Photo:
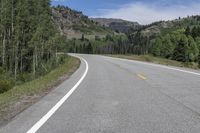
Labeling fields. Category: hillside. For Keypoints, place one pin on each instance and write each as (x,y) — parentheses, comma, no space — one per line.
(163,27)
(118,25)
(162,38)
(74,24)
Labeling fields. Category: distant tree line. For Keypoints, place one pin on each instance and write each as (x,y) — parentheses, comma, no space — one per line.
(107,45)
(176,42)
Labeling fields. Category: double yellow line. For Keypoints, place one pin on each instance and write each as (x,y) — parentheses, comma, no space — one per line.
(141,76)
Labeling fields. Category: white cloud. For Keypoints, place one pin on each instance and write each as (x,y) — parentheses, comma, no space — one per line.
(147,13)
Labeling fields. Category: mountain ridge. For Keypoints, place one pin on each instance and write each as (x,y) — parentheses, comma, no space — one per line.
(73,24)
(118,25)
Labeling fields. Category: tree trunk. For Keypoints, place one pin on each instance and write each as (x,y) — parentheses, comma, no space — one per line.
(12,20)
(34,62)
(4,49)
(11,39)
(21,61)
(42,51)
(16,60)
(36,58)
(56,56)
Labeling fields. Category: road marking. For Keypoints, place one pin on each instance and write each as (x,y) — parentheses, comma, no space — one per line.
(157,65)
(45,118)
(141,76)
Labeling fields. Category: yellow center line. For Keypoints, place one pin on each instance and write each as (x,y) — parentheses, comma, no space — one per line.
(141,76)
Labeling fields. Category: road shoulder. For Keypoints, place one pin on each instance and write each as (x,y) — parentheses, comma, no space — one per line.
(17,101)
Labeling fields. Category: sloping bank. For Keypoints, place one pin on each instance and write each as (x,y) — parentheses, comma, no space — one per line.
(23,96)
(157,60)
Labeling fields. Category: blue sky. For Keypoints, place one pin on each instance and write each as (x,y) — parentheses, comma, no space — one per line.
(142,11)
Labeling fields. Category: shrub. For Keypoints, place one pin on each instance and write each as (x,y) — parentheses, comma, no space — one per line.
(5,85)
(1,70)
(24,77)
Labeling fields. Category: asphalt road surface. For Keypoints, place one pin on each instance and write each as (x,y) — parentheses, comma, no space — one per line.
(109,95)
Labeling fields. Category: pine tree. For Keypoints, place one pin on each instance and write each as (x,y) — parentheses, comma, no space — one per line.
(198,45)
(193,51)
(167,47)
(89,48)
(187,31)
(82,37)
(181,50)
(156,48)
(194,32)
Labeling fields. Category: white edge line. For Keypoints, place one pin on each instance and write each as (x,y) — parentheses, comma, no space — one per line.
(45,118)
(157,65)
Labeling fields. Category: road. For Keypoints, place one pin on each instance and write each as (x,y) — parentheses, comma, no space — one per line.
(117,96)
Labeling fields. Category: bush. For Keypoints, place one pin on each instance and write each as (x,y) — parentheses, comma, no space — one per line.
(24,77)
(5,85)
(1,70)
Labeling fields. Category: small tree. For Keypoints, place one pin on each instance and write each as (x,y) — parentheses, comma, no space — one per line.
(89,48)
(97,38)
(109,37)
(83,37)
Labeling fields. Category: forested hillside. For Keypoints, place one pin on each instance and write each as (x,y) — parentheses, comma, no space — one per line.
(84,35)
(28,41)
(177,39)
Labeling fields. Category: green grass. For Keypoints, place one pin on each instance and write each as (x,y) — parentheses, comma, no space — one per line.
(157,60)
(37,87)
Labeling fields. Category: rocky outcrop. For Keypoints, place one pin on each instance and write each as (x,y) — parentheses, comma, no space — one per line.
(118,25)
(73,24)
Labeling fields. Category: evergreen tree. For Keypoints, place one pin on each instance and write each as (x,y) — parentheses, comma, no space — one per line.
(194,32)
(89,48)
(193,51)
(156,48)
(167,47)
(187,31)
(82,37)
(181,50)
(198,31)
(198,45)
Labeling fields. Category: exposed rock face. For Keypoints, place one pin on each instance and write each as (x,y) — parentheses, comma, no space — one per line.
(73,24)
(118,24)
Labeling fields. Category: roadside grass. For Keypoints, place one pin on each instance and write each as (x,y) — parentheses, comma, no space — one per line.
(157,60)
(30,92)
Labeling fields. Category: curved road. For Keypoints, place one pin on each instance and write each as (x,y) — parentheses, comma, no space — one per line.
(117,96)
